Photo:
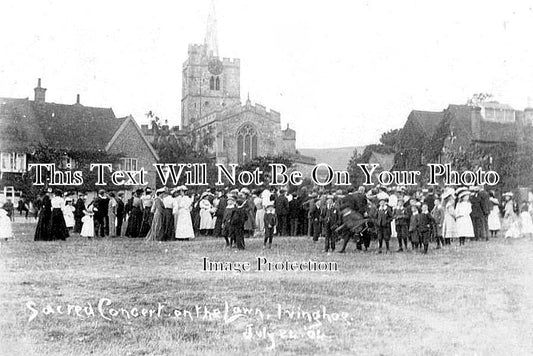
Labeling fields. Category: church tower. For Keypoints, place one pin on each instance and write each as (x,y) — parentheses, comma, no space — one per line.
(209,84)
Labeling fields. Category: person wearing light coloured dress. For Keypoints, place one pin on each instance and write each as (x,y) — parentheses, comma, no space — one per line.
(182,215)
(465,228)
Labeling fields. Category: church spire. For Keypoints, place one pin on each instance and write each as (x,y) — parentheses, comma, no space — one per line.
(211,38)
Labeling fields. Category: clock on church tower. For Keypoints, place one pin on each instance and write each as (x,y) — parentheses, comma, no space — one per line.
(215,66)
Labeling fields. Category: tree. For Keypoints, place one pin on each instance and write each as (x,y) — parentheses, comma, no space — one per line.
(263,163)
(175,148)
(391,138)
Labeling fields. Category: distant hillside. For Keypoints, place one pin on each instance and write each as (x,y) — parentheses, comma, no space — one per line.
(337,158)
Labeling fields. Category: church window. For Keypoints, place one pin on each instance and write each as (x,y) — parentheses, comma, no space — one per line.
(212,83)
(217,83)
(246,144)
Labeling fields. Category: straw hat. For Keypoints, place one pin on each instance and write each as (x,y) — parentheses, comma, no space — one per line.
(463,193)
(447,192)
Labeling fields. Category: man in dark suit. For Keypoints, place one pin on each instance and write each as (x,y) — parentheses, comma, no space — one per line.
(281,204)
(219,213)
(101,218)
(477,214)
(486,206)
(79,209)
(329,219)
(295,206)
(383,223)
(120,213)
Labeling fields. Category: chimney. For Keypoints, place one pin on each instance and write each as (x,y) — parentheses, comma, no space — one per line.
(78,99)
(40,93)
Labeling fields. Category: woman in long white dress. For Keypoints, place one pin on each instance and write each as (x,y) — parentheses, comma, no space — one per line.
(494,217)
(206,219)
(511,222)
(68,213)
(87,228)
(449,228)
(462,215)
(182,217)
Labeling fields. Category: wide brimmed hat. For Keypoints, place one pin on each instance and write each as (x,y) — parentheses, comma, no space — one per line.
(245,191)
(474,188)
(447,193)
(383,196)
(508,194)
(181,187)
(494,200)
(161,190)
(463,193)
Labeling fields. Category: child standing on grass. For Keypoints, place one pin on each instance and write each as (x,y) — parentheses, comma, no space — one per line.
(270,223)
(227,231)
(6,231)
(87,229)
(438,216)
(401,219)
(68,213)
(425,226)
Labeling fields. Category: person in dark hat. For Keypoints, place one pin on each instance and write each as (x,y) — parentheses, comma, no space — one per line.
(120,213)
(147,201)
(219,213)
(227,227)
(42,231)
(383,223)
(101,217)
(238,220)
(329,217)
(295,205)
(79,209)
(58,228)
(270,221)
(135,216)
(282,211)
(425,226)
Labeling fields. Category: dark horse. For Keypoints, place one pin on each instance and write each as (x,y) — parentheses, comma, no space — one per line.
(355,226)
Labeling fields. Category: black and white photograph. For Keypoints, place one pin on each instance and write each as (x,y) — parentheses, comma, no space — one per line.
(246,177)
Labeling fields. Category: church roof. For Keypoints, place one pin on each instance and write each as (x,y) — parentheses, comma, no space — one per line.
(71,127)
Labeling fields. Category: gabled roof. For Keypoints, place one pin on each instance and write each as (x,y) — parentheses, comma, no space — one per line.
(18,127)
(427,120)
(125,121)
(76,127)
(71,127)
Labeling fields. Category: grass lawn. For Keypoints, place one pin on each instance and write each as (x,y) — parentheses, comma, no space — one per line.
(472,300)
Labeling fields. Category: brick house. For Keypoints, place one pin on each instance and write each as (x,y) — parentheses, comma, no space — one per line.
(71,127)
(435,136)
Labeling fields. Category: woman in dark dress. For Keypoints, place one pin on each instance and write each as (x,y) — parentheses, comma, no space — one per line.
(155,232)
(136,215)
(58,228)
(42,232)
(148,215)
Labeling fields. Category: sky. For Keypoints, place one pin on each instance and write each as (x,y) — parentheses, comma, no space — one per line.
(340,72)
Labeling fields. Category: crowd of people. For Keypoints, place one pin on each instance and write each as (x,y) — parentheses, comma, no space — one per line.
(415,218)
